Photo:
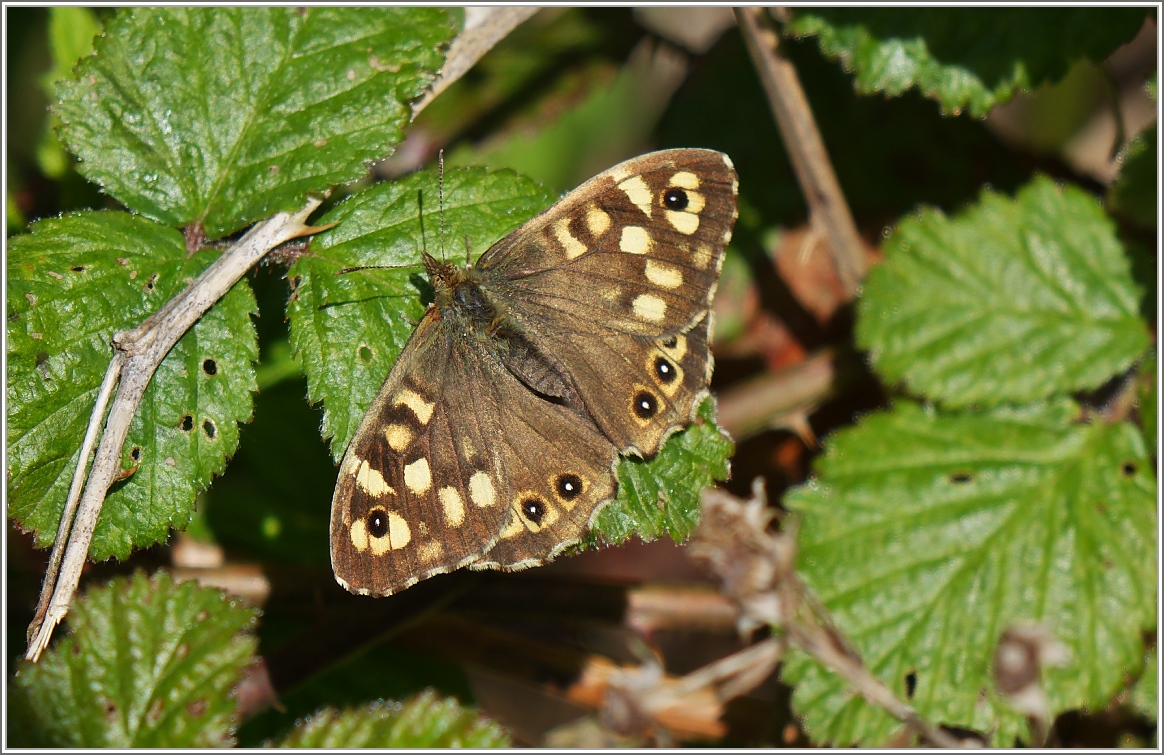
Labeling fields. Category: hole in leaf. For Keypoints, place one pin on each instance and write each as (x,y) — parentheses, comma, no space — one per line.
(1128,468)
(149,284)
(187,424)
(78,268)
(208,427)
(960,478)
(135,454)
(365,354)
(910,684)
(210,367)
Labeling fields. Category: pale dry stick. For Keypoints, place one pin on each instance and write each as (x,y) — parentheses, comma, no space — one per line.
(805,147)
(142,350)
(731,676)
(98,415)
(484,28)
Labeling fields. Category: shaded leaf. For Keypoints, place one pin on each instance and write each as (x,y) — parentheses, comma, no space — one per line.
(965,58)
(1010,301)
(146,663)
(1146,692)
(1150,399)
(927,535)
(73,282)
(423,721)
(225,116)
(1135,193)
(71,32)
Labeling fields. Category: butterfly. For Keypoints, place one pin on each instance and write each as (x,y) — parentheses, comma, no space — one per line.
(580,336)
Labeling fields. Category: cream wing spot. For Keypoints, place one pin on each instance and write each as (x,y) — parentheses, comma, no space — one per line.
(399,535)
(453,505)
(684,180)
(359,535)
(684,222)
(695,202)
(597,221)
(481,491)
(663,275)
(650,307)
(372,482)
(638,193)
(430,551)
(701,258)
(513,527)
(635,240)
(572,246)
(398,437)
(414,401)
(417,476)
(676,350)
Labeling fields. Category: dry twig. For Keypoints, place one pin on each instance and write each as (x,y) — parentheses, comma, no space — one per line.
(756,569)
(802,138)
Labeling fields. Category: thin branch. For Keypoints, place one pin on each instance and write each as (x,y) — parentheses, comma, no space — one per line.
(484,28)
(802,138)
(139,352)
(112,375)
(756,569)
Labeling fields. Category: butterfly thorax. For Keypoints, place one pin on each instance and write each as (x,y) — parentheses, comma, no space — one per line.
(464,306)
(460,302)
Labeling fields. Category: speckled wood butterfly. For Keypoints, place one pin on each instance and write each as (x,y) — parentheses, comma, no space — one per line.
(581,335)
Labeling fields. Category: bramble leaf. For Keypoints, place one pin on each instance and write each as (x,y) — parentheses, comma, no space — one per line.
(73,282)
(225,116)
(927,535)
(146,663)
(1010,301)
(423,721)
(965,58)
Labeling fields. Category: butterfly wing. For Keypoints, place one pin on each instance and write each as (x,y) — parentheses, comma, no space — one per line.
(443,463)
(615,284)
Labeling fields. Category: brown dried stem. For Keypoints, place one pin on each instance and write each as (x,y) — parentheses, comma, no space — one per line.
(805,147)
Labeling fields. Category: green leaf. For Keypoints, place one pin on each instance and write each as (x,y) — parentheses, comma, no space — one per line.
(1150,399)
(1134,194)
(347,330)
(965,58)
(225,116)
(1010,301)
(1146,692)
(661,495)
(147,663)
(71,32)
(926,535)
(423,721)
(73,282)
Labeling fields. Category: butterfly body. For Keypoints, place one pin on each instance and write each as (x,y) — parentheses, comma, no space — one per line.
(579,336)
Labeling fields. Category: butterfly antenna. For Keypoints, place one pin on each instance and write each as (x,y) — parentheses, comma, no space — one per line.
(441,196)
(468,254)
